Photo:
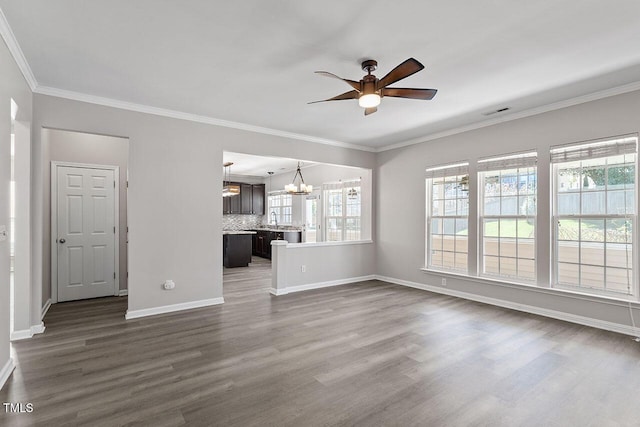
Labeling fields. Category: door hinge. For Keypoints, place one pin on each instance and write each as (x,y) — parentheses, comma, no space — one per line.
(114,230)
(114,184)
(114,274)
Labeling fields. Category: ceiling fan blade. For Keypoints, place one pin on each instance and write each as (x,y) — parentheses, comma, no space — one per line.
(407,68)
(352,94)
(352,83)
(398,92)
(371,110)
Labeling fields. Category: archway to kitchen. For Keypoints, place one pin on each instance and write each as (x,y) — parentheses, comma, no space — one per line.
(257,210)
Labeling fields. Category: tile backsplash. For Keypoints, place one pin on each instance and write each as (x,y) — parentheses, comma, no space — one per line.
(241,222)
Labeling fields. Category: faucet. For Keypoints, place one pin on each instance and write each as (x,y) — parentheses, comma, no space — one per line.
(274,217)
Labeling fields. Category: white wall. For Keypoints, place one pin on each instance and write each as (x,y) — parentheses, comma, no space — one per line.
(12,85)
(79,147)
(22,287)
(400,200)
(174,212)
(325,264)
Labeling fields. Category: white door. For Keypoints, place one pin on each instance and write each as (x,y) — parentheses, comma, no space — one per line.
(86,235)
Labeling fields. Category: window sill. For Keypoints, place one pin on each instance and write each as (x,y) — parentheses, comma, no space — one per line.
(567,293)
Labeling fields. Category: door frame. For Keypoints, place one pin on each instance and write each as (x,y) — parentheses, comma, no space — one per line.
(54,221)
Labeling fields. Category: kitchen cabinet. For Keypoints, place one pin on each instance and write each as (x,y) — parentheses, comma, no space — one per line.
(258,196)
(246,199)
(262,244)
(262,247)
(250,201)
(263,238)
(232,204)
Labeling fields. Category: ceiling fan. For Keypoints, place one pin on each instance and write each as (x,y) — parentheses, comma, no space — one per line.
(370,89)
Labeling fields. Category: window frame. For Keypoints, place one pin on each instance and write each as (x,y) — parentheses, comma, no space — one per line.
(281,195)
(555,218)
(511,162)
(342,187)
(458,170)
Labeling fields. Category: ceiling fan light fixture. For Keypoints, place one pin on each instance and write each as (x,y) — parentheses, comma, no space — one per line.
(369,100)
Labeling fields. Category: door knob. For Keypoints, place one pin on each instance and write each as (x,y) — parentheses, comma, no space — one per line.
(62,240)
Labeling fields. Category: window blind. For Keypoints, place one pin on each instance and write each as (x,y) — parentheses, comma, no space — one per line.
(522,160)
(331,186)
(351,183)
(447,170)
(611,147)
(338,185)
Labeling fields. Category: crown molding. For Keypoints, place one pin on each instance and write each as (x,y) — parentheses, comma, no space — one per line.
(16,52)
(140,108)
(108,102)
(618,90)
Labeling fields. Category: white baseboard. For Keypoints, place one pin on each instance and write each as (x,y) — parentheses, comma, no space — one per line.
(318,285)
(573,318)
(6,371)
(45,308)
(23,334)
(134,314)
(123,292)
(38,329)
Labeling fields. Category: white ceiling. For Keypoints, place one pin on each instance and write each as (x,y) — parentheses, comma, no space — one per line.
(252,61)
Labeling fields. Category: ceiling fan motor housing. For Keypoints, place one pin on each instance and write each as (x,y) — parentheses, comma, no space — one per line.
(369,85)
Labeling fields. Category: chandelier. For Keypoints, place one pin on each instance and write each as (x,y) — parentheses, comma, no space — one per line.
(298,186)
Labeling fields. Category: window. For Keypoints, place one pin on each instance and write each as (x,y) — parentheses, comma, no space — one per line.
(447,217)
(343,203)
(280,208)
(507,210)
(595,216)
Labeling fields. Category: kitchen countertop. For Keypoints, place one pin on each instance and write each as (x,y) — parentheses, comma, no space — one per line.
(237,232)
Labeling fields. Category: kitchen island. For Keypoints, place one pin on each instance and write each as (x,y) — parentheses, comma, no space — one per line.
(237,248)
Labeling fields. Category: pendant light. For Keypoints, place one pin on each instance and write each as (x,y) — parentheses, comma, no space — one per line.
(229,189)
(463,184)
(298,187)
(270,173)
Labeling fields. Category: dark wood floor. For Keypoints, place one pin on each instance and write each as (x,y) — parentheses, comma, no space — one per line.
(366,354)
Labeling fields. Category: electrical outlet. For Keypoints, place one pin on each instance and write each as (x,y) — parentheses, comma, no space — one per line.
(303,268)
(444,282)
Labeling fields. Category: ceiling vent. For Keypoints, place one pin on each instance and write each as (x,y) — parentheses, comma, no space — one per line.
(499,110)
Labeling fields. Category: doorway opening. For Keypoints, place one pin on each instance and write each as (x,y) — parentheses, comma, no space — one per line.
(88,224)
